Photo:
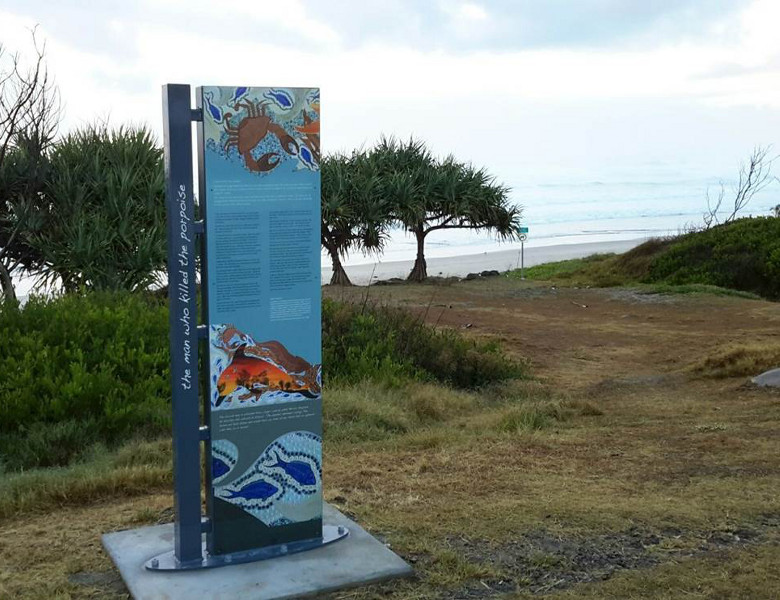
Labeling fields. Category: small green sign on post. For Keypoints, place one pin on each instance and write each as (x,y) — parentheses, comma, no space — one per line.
(523,235)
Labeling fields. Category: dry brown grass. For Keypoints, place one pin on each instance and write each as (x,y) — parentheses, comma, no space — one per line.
(136,470)
(739,360)
(632,445)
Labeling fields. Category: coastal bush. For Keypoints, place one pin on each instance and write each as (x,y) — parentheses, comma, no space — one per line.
(77,370)
(81,370)
(391,345)
(742,255)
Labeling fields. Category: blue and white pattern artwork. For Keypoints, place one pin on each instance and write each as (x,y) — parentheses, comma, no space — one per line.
(284,484)
(224,456)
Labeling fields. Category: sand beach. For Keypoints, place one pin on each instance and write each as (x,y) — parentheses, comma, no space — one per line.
(460,266)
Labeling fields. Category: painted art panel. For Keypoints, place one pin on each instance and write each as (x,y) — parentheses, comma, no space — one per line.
(260,164)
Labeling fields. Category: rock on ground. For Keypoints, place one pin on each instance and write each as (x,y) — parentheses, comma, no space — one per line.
(768,379)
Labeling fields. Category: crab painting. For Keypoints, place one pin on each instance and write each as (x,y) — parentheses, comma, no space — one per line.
(252,130)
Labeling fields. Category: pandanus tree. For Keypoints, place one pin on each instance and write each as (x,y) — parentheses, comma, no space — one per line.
(100,222)
(430,195)
(355,214)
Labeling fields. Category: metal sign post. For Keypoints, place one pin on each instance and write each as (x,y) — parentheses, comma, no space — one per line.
(182,293)
(523,235)
(258,157)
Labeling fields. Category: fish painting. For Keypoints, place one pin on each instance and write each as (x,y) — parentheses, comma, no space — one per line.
(238,94)
(307,158)
(214,111)
(257,376)
(284,484)
(281,98)
(258,489)
(299,470)
(224,456)
(219,467)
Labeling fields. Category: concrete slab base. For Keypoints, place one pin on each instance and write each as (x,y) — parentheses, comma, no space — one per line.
(357,560)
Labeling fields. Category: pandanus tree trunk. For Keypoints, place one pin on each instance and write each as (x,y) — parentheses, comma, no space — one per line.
(420,269)
(339,276)
(6,283)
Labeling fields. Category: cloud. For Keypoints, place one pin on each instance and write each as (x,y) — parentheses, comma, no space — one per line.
(511,25)
(456,26)
(486,80)
(113,29)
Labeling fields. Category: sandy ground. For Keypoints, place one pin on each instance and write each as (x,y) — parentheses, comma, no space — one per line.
(460,266)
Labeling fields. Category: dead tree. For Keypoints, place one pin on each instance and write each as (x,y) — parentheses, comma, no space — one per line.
(754,176)
(29,117)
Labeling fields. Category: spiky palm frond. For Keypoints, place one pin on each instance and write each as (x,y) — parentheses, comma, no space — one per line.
(101,218)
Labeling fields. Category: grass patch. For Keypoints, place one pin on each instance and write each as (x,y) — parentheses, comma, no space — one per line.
(602,270)
(372,412)
(532,417)
(695,288)
(136,469)
(744,360)
(416,416)
(449,569)
(562,270)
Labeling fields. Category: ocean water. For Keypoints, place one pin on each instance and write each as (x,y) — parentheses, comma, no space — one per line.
(564,207)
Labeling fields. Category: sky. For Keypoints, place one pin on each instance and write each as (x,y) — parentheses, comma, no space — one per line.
(532,89)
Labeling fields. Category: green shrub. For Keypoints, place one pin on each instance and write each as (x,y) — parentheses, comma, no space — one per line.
(742,255)
(391,345)
(79,370)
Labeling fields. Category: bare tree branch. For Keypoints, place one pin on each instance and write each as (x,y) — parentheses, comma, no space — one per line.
(754,176)
(711,216)
(29,100)
(30,113)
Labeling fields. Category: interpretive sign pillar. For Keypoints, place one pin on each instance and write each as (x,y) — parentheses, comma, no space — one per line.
(259,201)
(261,184)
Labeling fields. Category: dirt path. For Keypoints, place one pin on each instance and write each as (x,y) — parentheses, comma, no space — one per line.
(579,337)
(662,482)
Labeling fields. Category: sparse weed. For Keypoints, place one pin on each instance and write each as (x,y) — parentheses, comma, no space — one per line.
(531,417)
(739,360)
